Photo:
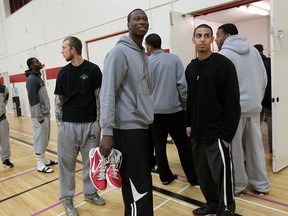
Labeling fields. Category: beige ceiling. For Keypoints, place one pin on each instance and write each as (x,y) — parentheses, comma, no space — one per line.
(235,15)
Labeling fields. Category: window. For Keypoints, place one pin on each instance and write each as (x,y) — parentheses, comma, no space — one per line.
(17,4)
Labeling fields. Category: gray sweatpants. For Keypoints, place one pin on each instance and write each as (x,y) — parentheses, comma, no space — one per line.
(247,145)
(4,140)
(72,138)
(41,134)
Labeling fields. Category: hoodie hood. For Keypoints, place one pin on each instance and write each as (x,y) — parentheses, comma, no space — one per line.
(237,43)
(28,72)
(127,41)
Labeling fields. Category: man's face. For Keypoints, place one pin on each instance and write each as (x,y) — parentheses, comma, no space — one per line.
(138,25)
(203,39)
(67,50)
(36,65)
(220,38)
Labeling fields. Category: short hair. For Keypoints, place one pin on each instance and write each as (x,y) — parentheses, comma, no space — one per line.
(29,62)
(229,28)
(203,26)
(154,40)
(74,42)
(129,15)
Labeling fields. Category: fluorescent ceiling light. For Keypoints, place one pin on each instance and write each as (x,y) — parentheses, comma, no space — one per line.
(255,10)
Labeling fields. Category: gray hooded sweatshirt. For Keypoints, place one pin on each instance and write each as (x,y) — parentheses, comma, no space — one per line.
(169,87)
(250,70)
(38,96)
(125,96)
(3,102)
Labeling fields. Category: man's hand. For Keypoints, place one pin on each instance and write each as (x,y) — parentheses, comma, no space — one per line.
(188,131)
(106,144)
(226,143)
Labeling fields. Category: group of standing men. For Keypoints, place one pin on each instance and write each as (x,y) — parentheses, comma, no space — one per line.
(221,113)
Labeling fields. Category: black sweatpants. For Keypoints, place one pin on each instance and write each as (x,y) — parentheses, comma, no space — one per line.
(214,169)
(135,171)
(174,124)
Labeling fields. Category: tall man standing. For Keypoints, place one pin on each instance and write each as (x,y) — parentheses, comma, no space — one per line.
(212,117)
(252,80)
(40,113)
(126,113)
(76,90)
(169,92)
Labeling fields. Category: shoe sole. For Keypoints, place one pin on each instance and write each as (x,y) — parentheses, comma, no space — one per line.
(5,166)
(204,215)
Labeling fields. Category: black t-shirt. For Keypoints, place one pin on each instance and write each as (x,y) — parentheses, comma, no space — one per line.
(78,85)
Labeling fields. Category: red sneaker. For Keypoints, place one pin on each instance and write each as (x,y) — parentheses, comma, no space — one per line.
(113,175)
(98,168)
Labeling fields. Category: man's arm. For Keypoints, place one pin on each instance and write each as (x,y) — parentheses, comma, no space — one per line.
(6,96)
(59,100)
(97,95)
(181,83)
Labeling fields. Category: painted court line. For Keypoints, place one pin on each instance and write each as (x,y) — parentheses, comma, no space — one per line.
(263,206)
(17,175)
(60,202)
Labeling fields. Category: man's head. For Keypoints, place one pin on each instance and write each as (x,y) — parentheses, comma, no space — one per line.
(34,64)
(152,42)
(137,22)
(71,46)
(203,38)
(259,47)
(223,32)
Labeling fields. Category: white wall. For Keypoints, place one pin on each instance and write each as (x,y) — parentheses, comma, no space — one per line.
(257,32)
(38,29)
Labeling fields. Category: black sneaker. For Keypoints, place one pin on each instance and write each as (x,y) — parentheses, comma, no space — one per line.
(203,211)
(171,180)
(240,193)
(7,164)
(260,193)
(155,169)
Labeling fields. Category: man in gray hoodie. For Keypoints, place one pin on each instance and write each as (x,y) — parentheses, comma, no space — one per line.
(4,128)
(247,144)
(126,113)
(169,92)
(40,114)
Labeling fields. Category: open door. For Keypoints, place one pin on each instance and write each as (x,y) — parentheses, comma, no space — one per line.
(182,27)
(279,54)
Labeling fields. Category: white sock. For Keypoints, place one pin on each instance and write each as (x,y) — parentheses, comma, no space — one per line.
(40,161)
(46,161)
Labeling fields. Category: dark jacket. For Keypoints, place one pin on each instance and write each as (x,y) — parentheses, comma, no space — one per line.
(266,102)
(213,101)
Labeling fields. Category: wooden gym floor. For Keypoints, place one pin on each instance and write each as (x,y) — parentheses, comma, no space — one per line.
(24,191)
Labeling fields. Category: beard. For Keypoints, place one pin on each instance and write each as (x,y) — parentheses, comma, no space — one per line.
(68,58)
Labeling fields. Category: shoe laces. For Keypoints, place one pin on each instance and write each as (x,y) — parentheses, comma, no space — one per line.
(68,203)
(102,168)
(115,163)
(94,196)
